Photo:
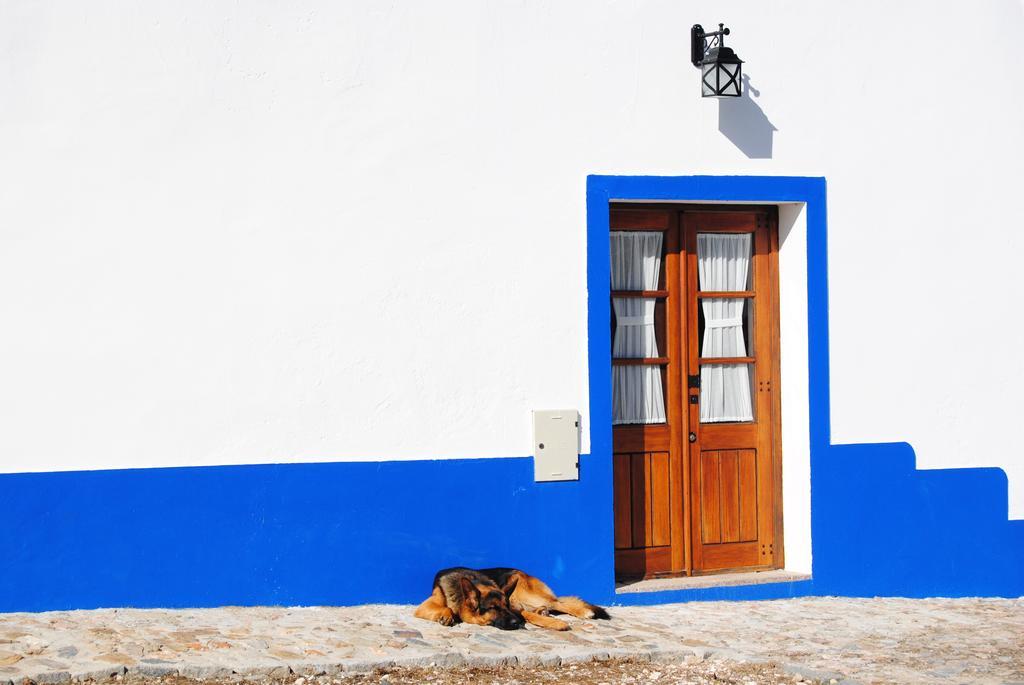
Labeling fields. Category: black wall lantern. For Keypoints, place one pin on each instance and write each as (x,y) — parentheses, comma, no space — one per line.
(720,67)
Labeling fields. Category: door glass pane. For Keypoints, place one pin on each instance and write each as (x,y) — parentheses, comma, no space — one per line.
(636,260)
(723,261)
(638,394)
(635,334)
(725,393)
(725,327)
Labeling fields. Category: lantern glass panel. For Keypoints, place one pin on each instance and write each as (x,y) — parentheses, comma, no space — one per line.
(729,80)
(709,80)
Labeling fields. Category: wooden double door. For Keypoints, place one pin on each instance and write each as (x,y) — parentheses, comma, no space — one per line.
(697,462)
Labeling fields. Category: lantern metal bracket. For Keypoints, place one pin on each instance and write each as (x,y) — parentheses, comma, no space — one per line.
(701,42)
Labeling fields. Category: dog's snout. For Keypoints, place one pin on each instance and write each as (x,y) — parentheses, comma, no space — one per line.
(510,622)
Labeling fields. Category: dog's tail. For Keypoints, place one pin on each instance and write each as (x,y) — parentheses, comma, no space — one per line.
(575,606)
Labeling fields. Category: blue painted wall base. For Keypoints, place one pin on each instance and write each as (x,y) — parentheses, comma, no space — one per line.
(351,533)
(354,533)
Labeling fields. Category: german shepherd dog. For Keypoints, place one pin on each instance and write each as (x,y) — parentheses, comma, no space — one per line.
(505,598)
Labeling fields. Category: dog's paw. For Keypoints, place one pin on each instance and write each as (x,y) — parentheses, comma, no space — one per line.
(446,619)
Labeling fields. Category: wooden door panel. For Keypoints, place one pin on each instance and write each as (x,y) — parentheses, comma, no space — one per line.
(747,494)
(643,504)
(658,478)
(640,497)
(710,499)
(729,436)
(643,513)
(638,219)
(728,222)
(623,510)
(654,438)
(640,501)
(729,482)
(637,563)
(730,557)
(728,496)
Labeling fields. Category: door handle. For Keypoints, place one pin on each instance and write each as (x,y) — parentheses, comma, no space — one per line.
(693,437)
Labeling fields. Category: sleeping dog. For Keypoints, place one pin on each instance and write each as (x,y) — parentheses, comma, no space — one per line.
(505,598)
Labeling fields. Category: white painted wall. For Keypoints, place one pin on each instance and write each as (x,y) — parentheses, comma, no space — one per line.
(333,231)
(794,376)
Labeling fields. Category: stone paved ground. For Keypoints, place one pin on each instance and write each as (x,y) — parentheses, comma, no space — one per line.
(865,640)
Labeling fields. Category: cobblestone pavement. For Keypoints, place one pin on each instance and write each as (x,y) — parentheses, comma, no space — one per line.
(864,640)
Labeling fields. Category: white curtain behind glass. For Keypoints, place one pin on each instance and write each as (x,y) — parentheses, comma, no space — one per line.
(638,396)
(723,264)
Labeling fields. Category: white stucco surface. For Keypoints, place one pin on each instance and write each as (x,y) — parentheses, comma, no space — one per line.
(348,231)
(795,420)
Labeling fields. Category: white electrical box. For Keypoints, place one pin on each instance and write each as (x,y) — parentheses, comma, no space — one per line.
(556,445)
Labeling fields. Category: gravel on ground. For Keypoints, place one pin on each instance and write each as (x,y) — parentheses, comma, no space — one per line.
(607,672)
(887,640)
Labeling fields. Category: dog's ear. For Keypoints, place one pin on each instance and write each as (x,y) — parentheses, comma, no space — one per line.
(470,595)
(510,585)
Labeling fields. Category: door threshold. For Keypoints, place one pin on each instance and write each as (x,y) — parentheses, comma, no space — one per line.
(720,580)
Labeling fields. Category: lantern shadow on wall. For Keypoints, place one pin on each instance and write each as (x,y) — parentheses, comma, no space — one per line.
(744,123)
